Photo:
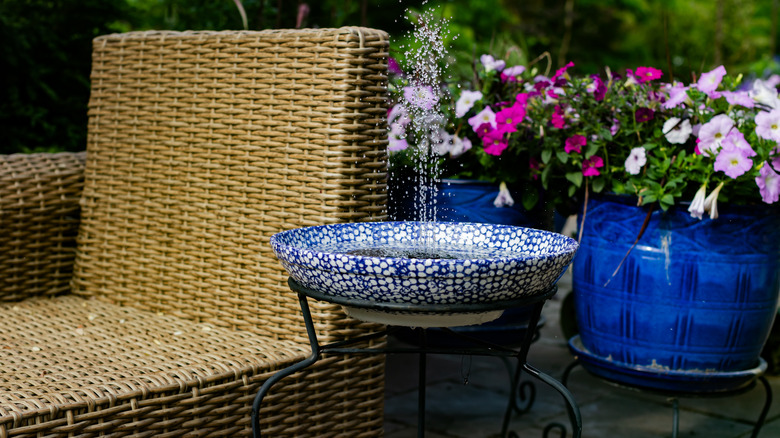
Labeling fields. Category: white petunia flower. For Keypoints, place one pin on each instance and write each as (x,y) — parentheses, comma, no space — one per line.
(636,159)
(711,202)
(459,146)
(677,131)
(466,101)
(504,199)
(697,205)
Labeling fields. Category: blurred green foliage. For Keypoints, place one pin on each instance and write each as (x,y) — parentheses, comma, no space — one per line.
(45,55)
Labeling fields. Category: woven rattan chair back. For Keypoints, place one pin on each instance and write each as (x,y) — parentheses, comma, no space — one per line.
(202,145)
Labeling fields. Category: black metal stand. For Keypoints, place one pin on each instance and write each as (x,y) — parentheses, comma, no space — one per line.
(481,348)
(674,397)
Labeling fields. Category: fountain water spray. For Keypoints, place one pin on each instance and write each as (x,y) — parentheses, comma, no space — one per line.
(422,101)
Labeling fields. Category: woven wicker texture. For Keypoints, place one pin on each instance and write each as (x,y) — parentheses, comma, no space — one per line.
(39,218)
(201,146)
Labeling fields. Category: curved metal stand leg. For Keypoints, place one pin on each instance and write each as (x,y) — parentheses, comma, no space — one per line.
(675,417)
(279,375)
(567,372)
(765,411)
(523,393)
(575,417)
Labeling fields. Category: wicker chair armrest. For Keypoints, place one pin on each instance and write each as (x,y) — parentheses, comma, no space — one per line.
(39,217)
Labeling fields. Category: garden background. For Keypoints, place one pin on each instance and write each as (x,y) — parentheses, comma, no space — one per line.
(46,44)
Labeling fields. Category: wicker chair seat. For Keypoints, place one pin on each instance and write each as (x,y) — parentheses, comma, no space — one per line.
(89,355)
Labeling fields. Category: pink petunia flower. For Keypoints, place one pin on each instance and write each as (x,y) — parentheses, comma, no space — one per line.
(732,161)
(510,74)
(768,125)
(508,118)
(741,98)
(421,96)
(590,166)
(397,138)
(678,94)
(736,139)
(644,74)
(485,116)
(709,82)
(768,181)
(491,63)
(712,133)
(575,143)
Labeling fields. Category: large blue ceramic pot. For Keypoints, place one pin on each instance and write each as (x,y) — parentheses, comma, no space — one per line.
(693,295)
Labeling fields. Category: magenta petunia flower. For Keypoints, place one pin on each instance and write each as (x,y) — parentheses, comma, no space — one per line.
(709,82)
(644,74)
(562,70)
(597,87)
(484,129)
(508,118)
(575,143)
(557,119)
(590,166)
(768,181)
(494,142)
(732,161)
(644,115)
(393,67)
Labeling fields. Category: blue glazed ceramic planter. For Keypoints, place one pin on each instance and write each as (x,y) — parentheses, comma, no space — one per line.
(693,295)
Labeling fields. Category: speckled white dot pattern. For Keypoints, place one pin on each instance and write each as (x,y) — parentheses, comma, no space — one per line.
(512,262)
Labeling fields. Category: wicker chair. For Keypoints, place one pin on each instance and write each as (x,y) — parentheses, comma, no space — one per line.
(201,146)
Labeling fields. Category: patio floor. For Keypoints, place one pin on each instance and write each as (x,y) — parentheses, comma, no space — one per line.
(476,409)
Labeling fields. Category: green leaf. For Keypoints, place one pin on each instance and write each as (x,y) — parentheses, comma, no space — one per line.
(530,198)
(546,177)
(563,157)
(575,178)
(593,147)
(667,201)
(605,134)
(546,155)
(649,146)
(598,184)
(572,189)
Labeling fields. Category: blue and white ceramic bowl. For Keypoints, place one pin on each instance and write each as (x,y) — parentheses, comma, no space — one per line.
(364,261)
